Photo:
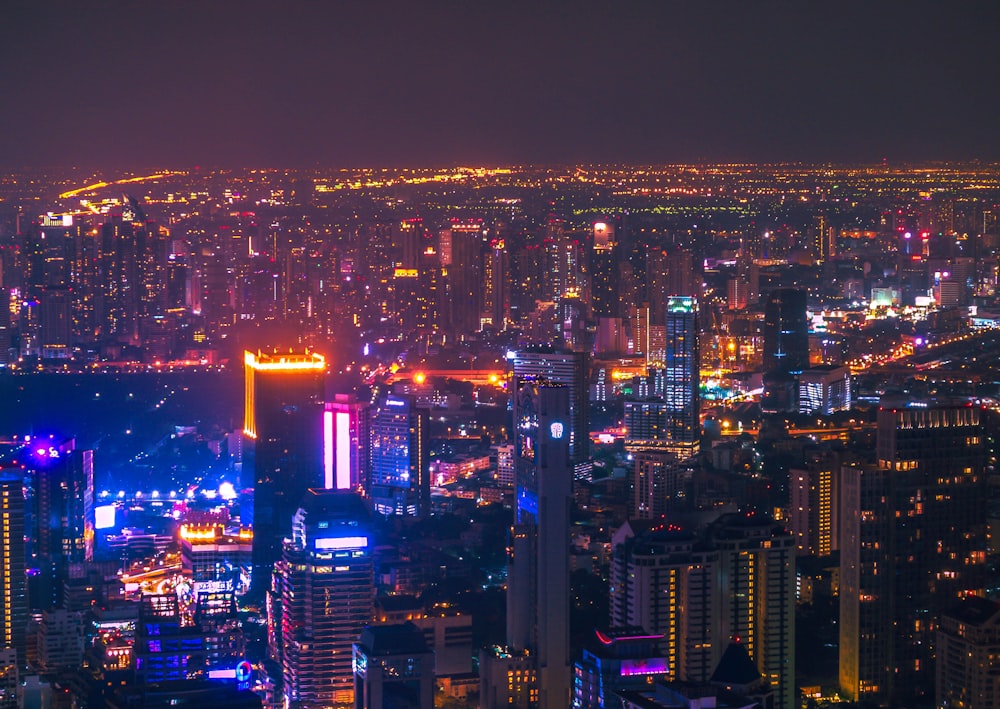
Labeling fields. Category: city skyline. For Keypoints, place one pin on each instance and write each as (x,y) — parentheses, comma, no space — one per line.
(439,84)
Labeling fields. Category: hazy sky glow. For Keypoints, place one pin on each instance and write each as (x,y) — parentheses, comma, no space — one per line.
(114,84)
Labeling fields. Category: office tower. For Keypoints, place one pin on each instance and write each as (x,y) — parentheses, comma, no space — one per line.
(665,582)
(815,505)
(326,585)
(538,561)
(56,331)
(283,445)
(61,513)
(568,369)
(757,565)
(165,647)
(60,641)
(824,245)
(656,482)
(216,560)
(346,443)
(968,664)
(496,286)
(786,331)
(786,349)
(824,390)
(682,376)
(393,667)
(13,589)
(913,539)
(605,273)
(464,279)
(400,457)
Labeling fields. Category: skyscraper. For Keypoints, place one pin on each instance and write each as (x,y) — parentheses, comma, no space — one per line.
(786,349)
(13,591)
(682,376)
(786,331)
(400,457)
(757,565)
(61,481)
(815,505)
(283,432)
(665,581)
(913,540)
(538,564)
(568,369)
(326,586)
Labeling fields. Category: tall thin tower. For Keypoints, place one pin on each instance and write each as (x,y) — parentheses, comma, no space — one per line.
(538,586)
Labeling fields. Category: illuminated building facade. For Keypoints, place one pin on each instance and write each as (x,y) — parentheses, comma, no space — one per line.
(622,659)
(217,561)
(61,507)
(666,582)
(814,517)
(682,376)
(824,390)
(400,457)
(346,443)
(283,436)
(538,553)
(757,576)
(913,540)
(13,591)
(326,586)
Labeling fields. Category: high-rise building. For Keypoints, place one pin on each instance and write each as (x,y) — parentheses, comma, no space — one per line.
(913,540)
(400,457)
(538,562)
(815,505)
(61,513)
(283,445)
(568,369)
(786,349)
(968,663)
(824,390)
(393,667)
(665,581)
(682,376)
(326,586)
(13,591)
(656,482)
(786,331)
(757,573)
(346,443)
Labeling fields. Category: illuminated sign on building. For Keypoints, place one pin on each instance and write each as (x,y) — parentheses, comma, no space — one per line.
(556,430)
(104,517)
(334,543)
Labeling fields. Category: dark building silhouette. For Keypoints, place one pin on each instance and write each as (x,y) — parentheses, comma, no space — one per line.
(283,433)
(913,539)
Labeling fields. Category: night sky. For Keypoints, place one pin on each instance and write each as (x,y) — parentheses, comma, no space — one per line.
(156,83)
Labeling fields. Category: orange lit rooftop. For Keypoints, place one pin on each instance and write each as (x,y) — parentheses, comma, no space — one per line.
(284,362)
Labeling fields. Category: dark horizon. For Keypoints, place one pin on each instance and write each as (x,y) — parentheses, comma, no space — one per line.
(119,85)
